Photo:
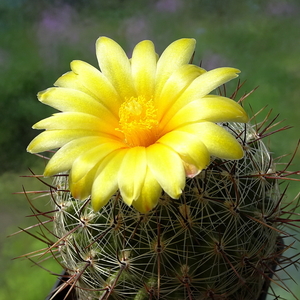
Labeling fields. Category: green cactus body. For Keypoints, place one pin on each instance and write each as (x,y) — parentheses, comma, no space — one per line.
(218,241)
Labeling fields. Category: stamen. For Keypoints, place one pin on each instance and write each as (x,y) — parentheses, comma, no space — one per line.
(138,121)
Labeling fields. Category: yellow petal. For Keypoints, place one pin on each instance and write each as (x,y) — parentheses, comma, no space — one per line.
(191,150)
(70,100)
(210,108)
(91,81)
(106,180)
(115,65)
(150,193)
(174,86)
(143,66)
(219,142)
(78,121)
(82,188)
(132,173)
(98,85)
(167,168)
(70,80)
(202,86)
(63,159)
(49,140)
(175,55)
(87,160)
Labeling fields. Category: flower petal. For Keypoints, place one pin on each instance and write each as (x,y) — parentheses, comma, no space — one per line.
(115,65)
(175,55)
(106,180)
(143,66)
(202,86)
(86,166)
(82,188)
(70,80)
(150,193)
(63,159)
(132,173)
(98,85)
(70,100)
(78,120)
(49,140)
(219,142)
(167,168)
(191,150)
(210,108)
(86,161)
(174,86)
(88,79)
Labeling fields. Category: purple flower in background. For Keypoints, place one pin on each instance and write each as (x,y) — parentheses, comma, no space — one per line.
(135,29)
(170,6)
(56,25)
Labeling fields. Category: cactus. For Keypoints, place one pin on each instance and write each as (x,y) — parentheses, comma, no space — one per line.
(222,239)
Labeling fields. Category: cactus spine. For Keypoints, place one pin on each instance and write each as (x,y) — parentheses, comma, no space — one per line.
(221,240)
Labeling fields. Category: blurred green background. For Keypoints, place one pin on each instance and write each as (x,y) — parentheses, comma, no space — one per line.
(38,40)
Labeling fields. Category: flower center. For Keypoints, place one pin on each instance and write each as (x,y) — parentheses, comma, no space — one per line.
(138,121)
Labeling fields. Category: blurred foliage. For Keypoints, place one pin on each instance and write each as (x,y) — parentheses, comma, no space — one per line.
(37,284)
(39,38)
(20,279)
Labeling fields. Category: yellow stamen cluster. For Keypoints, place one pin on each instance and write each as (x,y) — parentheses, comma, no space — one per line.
(138,121)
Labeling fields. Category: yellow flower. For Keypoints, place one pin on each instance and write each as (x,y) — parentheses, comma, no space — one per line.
(140,125)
